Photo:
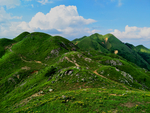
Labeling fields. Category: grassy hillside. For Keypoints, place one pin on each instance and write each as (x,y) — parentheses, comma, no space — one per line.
(109,43)
(90,43)
(4,45)
(144,52)
(44,73)
(21,36)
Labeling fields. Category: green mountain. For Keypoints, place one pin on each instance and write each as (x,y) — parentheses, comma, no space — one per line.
(92,42)
(142,51)
(44,73)
(4,45)
(109,43)
(21,36)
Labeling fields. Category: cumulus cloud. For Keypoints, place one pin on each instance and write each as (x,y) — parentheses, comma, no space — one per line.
(45,1)
(59,17)
(9,3)
(64,19)
(133,32)
(60,20)
(134,35)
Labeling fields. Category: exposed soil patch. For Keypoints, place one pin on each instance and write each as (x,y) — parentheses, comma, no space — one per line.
(106,39)
(26,68)
(115,95)
(35,71)
(38,62)
(129,105)
(76,43)
(98,74)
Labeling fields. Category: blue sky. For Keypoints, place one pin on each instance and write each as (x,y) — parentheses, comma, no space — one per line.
(128,20)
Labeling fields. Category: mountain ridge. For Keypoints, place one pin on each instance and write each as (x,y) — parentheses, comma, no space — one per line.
(44,73)
(110,43)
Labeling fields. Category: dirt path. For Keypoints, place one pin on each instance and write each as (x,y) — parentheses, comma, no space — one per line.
(98,74)
(38,62)
(107,78)
(76,43)
(9,47)
(25,101)
(25,60)
(72,61)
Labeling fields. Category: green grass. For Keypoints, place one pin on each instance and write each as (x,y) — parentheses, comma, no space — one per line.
(109,43)
(88,100)
(21,36)
(92,80)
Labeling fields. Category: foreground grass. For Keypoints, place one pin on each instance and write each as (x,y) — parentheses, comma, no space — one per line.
(86,100)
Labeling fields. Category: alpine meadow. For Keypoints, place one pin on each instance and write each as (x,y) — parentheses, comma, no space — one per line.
(97,73)
(74,56)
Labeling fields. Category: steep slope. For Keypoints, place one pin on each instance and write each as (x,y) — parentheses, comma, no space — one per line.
(144,52)
(4,45)
(36,43)
(21,36)
(90,43)
(110,43)
(35,52)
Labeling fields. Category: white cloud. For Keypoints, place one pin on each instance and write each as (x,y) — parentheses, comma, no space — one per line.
(4,16)
(64,19)
(59,17)
(43,2)
(8,28)
(10,3)
(60,20)
(134,35)
(133,32)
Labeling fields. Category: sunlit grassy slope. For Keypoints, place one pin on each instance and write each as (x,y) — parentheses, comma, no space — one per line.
(44,73)
(109,43)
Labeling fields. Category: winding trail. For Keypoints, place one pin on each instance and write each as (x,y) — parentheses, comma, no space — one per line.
(98,74)
(38,62)
(112,80)
(25,60)
(25,101)
(72,61)
(76,43)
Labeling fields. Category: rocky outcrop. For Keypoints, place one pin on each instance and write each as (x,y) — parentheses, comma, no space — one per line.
(113,62)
